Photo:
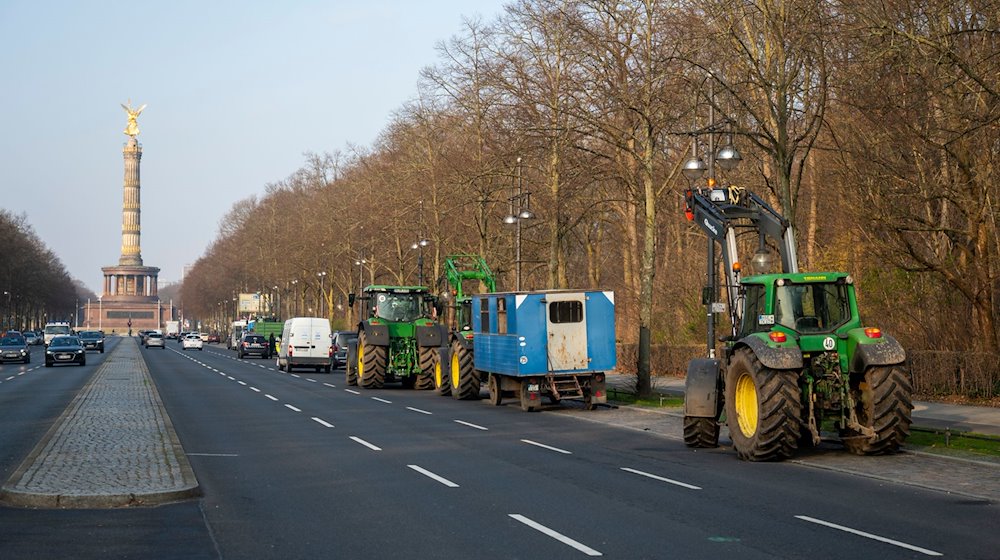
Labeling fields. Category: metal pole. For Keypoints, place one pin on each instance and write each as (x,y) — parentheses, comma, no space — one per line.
(420,264)
(517,233)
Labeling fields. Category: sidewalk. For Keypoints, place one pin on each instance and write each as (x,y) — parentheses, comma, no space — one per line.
(961,418)
(113,446)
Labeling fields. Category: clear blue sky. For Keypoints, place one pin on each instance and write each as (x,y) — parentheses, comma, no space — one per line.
(236,93)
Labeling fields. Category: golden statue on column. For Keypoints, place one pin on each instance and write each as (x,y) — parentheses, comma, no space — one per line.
(132,129)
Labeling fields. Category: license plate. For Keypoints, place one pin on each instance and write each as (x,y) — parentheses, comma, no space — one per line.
(63,356)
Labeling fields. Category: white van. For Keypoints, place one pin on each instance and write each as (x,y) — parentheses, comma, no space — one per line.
(306,342)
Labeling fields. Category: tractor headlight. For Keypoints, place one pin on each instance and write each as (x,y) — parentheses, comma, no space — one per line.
(718,195)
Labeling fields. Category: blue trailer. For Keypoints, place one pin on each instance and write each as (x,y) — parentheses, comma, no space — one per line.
(554,343)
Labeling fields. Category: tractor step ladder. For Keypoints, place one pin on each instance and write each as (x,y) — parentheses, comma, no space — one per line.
(565,387)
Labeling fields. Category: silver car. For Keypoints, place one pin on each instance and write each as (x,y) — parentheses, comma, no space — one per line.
(155,340)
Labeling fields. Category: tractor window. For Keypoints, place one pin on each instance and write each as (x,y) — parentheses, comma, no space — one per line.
(398,308)
(812,308)
(752,310)
(501,316)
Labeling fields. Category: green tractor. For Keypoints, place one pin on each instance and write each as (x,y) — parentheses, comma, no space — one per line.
(460,379)
(398,339)
(799,362)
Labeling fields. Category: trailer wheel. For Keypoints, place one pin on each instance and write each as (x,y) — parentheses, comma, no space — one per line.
(496,396)
(442,384)
(701,432)
(464,380)
(425,379)
(371,363)
(883,403)
(763,409)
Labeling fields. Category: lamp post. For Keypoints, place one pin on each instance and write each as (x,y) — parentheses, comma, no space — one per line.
(517,213)
(159,315)
(100,314)
(419,246)
(322,292)
(728,158)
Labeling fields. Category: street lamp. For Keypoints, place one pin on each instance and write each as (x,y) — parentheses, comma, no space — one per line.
(518,213)
(322,291)
(295,297)
(419,246)
(100,314)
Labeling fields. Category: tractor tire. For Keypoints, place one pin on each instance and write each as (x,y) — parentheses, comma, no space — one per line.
(442,382)
(425,379)
(372,363)
(763,409)
(701,433)
(351,368)
(496,395)
(883,400)
(464,378)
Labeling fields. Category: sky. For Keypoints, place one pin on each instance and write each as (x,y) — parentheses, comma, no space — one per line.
(236,94)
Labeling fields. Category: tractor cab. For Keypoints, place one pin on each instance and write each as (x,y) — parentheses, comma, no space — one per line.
(798,304)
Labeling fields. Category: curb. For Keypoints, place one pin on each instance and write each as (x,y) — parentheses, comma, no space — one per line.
(66,499)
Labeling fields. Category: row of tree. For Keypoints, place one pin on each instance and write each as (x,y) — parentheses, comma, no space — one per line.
(36,286)
(871,124)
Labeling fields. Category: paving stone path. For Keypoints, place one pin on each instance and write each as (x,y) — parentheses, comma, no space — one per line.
(113,446)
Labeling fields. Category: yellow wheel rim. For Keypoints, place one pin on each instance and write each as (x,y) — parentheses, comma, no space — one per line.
(361,361)
(746,405)
(454,371)
(437,374)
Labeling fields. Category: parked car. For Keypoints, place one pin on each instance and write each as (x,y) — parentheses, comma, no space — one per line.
(92,340)
(14,348)
(340,340)
(204,336)
(32,338)
(214,338)
(65,350)
(251,343)
(193,341)
(155,340)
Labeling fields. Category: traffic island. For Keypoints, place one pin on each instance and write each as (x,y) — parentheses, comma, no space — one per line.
(113,446)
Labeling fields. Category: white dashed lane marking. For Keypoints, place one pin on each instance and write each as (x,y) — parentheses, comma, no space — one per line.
(433,476)
(555,535)
(549,447)
(869,535)
(290,407)
(662,479)
(322,422)
(418,410)
(270,397)
(471,425)
(366,444)
(381,400)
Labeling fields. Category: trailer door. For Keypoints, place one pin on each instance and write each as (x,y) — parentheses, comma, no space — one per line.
(566,323)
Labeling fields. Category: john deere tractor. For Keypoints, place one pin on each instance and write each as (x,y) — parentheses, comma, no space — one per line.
(397,339)
(799,362)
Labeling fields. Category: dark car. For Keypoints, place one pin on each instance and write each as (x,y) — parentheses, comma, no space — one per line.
(251,343)
(214,338)
(14,348)
(340,340)
(65,350)
(92,340)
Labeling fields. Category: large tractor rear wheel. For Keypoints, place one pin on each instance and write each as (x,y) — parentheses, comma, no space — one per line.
(442,381)
(371,363)
(464,380)
(762,408)
(701,432)
(883,402)
(425,379)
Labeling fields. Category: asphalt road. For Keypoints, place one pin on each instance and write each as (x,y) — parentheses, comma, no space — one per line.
(300,466)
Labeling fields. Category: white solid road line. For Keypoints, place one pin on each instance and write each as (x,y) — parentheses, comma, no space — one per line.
(868,535)
(429,474)
(381,400)
(270,397)
(471,425)
(662,479)
(366,444)
(322,422)
(550,448)
(418,410)
(555,535)
(352,391)
(290,407)
(331,386)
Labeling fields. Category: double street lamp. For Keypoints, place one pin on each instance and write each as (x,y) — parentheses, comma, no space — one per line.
(519,211)
(419,246)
